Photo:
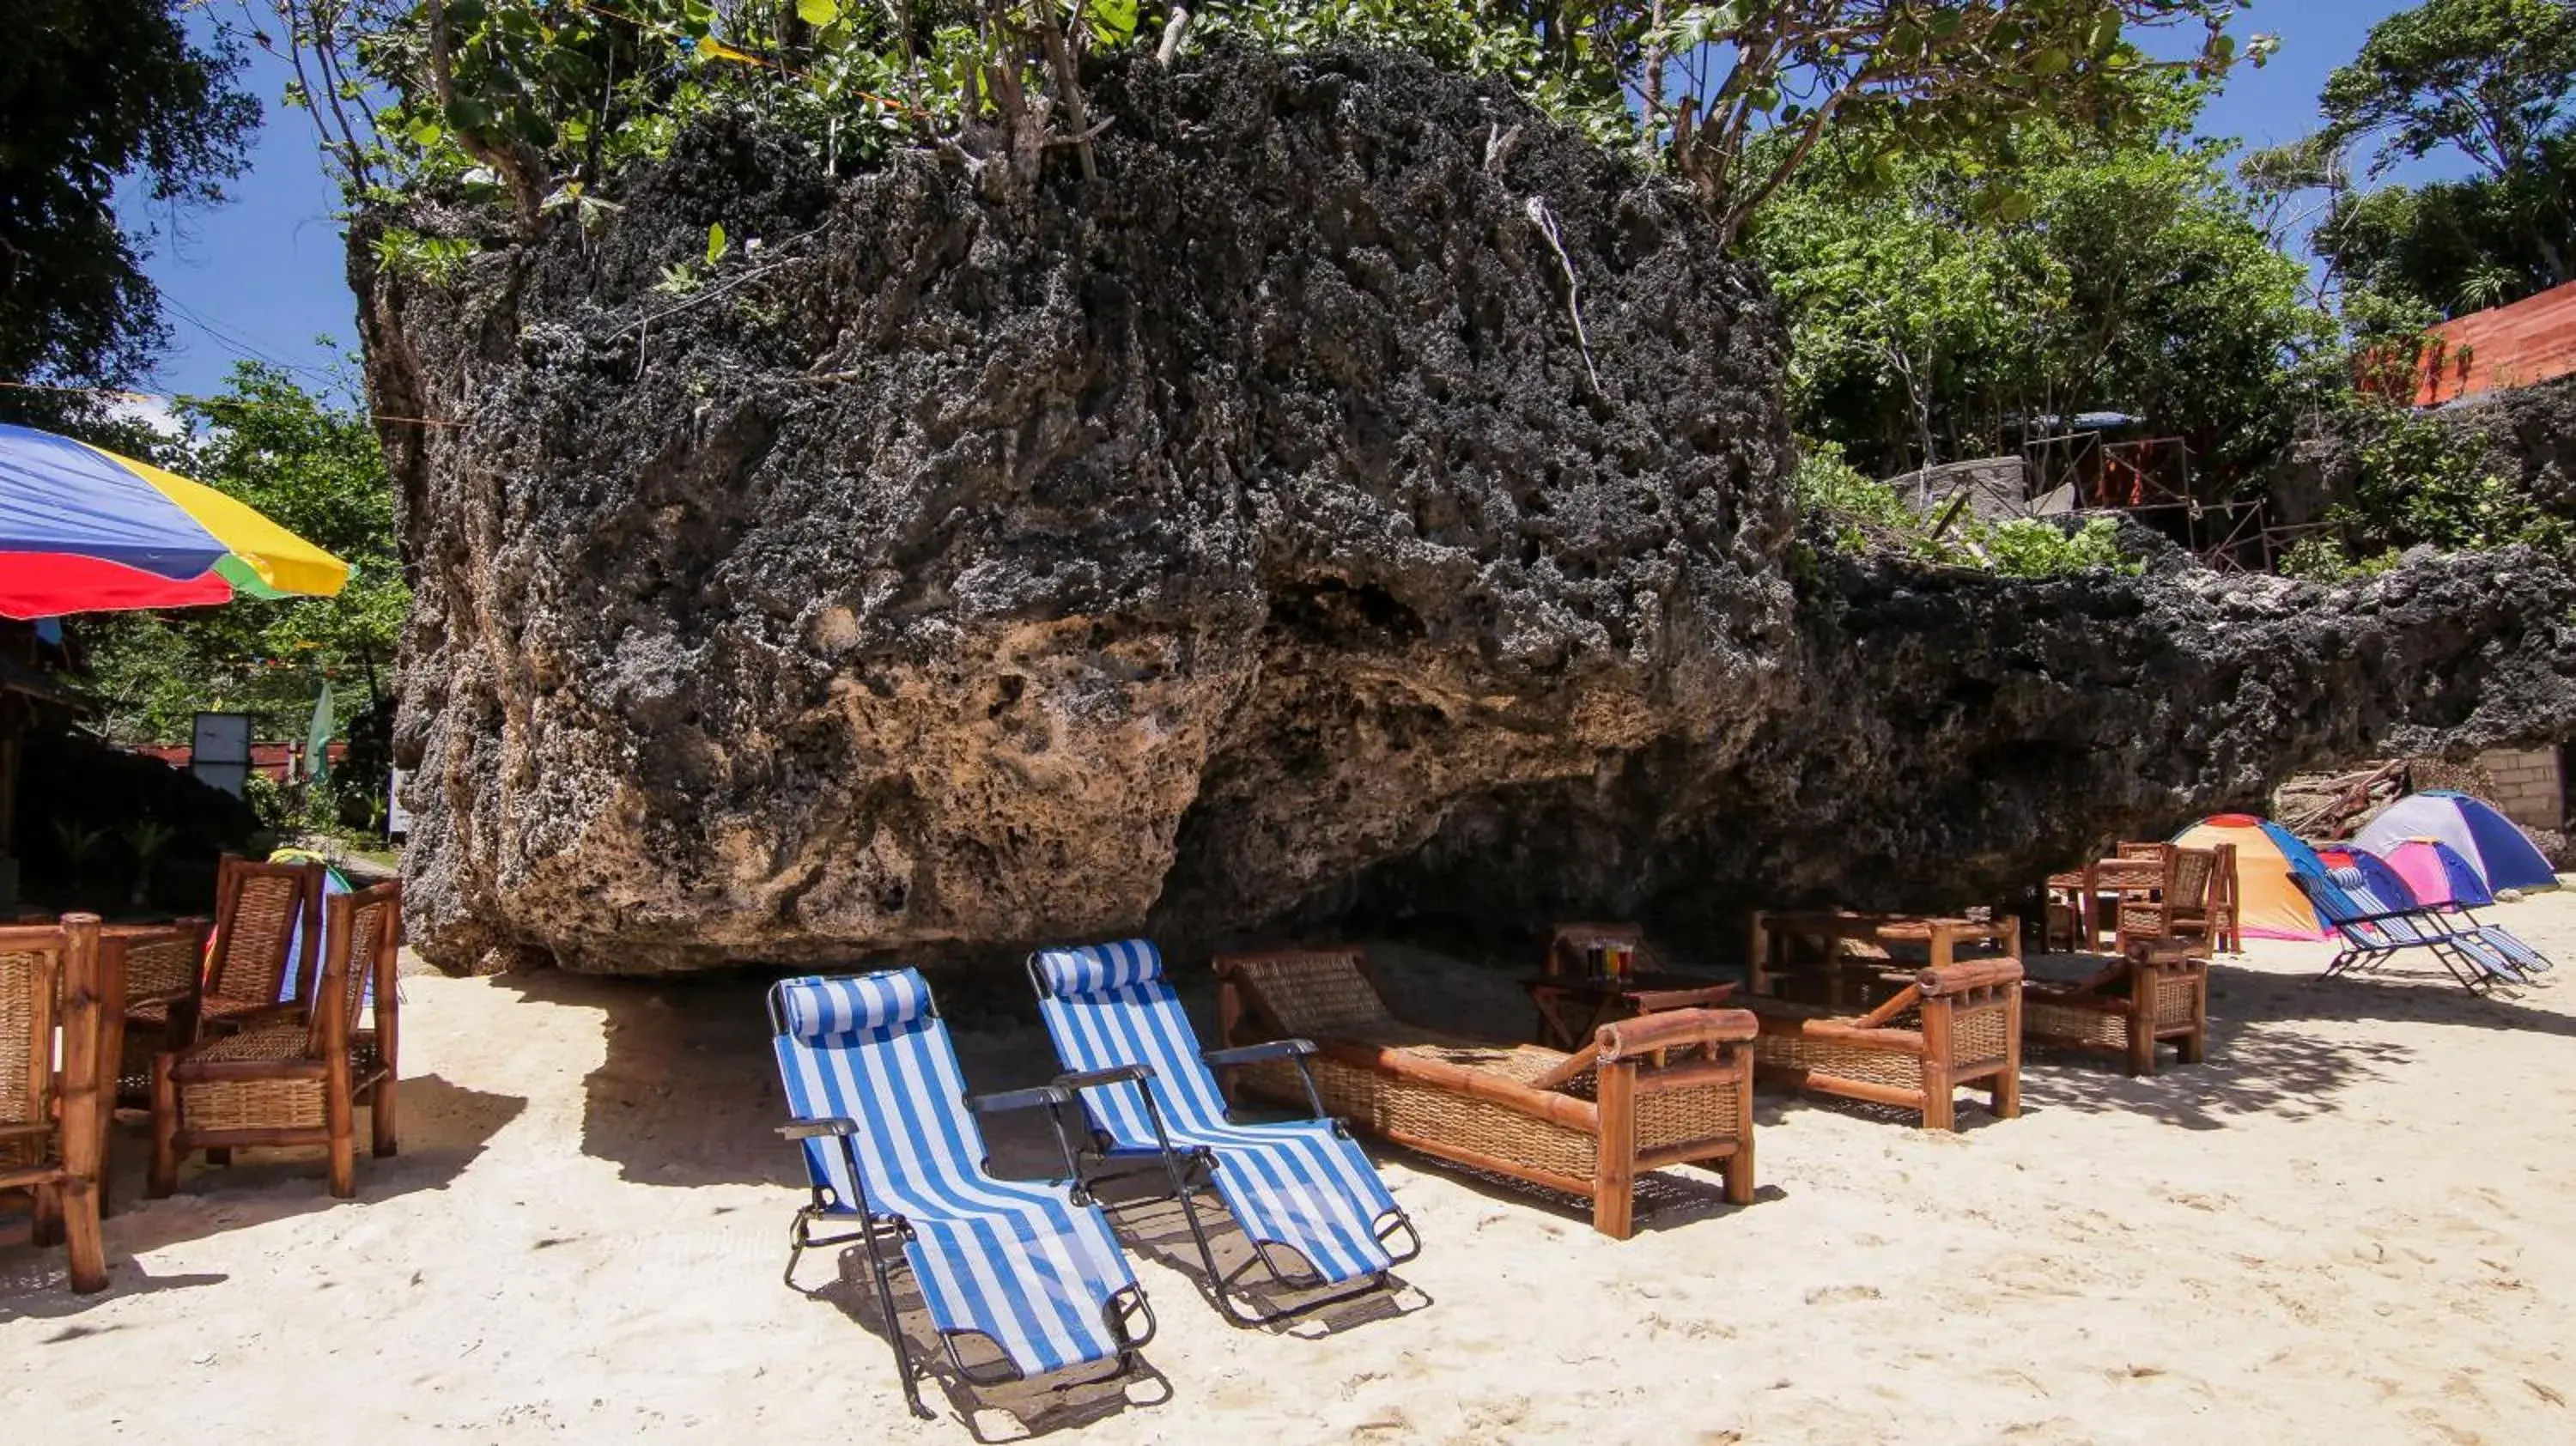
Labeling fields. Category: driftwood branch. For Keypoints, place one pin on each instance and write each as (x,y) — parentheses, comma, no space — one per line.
(1545,221)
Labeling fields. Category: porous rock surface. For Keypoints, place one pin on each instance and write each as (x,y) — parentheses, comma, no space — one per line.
(1264,536)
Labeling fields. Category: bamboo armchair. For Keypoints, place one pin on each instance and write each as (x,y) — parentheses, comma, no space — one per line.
(297,1080)
(155,970)
(2181,898)
(268,929)
(1670,1089)
(2157,992)
(2200,891)
(1953,1025)
(52,1127)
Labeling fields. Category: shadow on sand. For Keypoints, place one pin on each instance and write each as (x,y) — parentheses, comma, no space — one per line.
(2261,1058)
(1040,1407)
(444,1126)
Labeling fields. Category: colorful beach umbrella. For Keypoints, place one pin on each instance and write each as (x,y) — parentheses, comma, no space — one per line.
(83,529)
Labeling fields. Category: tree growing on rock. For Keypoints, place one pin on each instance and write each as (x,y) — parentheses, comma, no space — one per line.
(535,102)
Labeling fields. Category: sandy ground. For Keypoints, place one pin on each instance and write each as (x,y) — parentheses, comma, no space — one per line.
(2354,1224)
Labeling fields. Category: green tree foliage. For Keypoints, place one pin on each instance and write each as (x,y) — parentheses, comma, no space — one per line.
(2459,246)
(538,99)
(95,94)
(2061,270)
(315,468)
(2494,82)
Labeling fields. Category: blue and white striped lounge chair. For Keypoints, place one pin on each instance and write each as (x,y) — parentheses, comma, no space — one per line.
(891,1145)
(2470,893)
(1302,1188)
(2374,931)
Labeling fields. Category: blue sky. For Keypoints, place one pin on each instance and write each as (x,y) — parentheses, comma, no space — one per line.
(263,276)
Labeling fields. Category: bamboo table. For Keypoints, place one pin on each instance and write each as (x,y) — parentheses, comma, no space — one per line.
(1775,937)
(1571,1009)
(2100,883)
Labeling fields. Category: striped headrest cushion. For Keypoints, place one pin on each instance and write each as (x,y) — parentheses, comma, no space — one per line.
(817,1008)
(1095,968)
(2347,877)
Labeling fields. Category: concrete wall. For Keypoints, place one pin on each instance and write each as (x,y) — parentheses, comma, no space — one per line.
(2528,786)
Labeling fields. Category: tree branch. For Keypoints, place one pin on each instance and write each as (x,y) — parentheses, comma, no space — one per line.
(517,165)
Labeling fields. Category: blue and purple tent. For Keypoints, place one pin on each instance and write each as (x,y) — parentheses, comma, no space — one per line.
(2504,857)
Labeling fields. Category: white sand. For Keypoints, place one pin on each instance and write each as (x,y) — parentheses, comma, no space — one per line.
(2354,1224)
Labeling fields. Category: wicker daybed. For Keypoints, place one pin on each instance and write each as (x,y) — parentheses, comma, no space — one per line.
(1669,1089)
(1951,1025)
(2157,992)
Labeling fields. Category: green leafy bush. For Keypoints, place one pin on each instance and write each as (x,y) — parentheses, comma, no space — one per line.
(2420,484)
(1867,515)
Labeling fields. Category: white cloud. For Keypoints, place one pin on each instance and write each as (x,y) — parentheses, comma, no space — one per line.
(153,412)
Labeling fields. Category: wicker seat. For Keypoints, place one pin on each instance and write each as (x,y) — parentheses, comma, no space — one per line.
(296,1080)
(2177,904)
(153,969)
(1586,1123)
(1952,1025)
(2157,992)
(267,931)
(52,1123)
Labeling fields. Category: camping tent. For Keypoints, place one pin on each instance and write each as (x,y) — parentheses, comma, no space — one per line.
(2436,874)
(2502,856)
(2268,905)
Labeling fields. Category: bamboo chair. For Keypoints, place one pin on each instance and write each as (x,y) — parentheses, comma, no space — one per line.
(1952,1025)
(1670,1089)
(2181,904)
(296,1080)
(268,931)
(891,1146)
(152,969)
(51,1130)
(2157,992)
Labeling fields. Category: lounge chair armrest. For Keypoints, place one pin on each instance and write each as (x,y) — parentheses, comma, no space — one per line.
(1673,1029)
(1094,1078)
(1269,1049)
(818,1129)
(1967,974)
(1027,1099)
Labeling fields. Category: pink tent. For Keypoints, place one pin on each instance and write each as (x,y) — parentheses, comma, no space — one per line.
(2436,874)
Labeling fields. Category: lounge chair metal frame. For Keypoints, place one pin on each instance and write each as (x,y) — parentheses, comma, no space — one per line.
(879,1229)
(1194,1169)
(2465,954)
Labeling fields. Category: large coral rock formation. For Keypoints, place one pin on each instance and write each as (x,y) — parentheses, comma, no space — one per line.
(1334,507)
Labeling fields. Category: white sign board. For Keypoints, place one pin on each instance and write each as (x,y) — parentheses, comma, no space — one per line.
(219,751)
(397,817)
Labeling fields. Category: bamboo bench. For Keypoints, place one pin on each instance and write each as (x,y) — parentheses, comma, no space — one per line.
(1670,1089)
(2158,991)
(1952,1025)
